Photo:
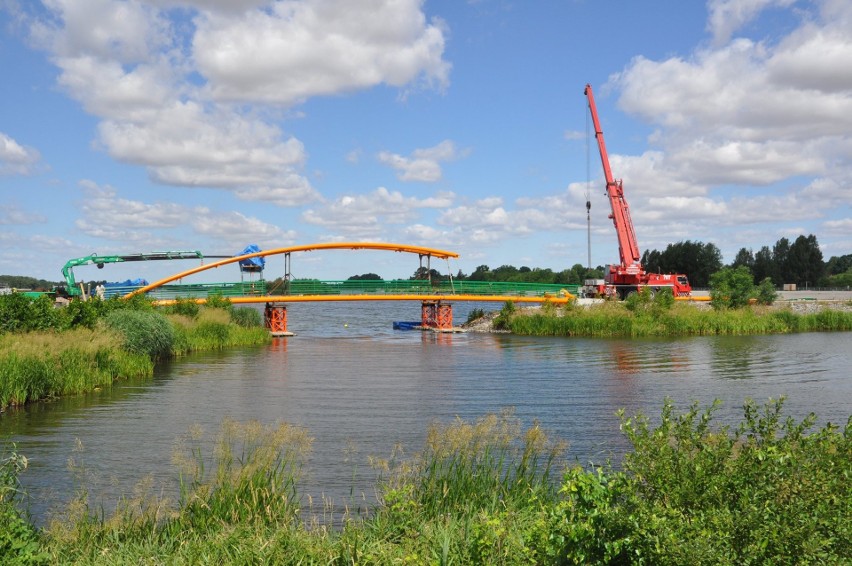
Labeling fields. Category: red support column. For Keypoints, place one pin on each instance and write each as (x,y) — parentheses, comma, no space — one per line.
(437,316)
(275,319)
(429,314)
(445,316)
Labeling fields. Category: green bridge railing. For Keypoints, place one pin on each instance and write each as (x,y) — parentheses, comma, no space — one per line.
(352,287)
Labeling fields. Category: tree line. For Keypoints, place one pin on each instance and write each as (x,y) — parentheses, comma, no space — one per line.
(799,262)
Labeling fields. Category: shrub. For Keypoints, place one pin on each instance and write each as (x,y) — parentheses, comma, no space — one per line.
(502,320)
(83,313)
(639,301)
(731,288)
(218,301)
(19,313)
(14,312)
(146,333)
(664,299)
(475,314)
(19,540)
(185,307)
(136,303)
(766,293)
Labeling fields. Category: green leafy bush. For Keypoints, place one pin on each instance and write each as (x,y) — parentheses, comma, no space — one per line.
(664,299)
(639,301)
(766,293)
(19,540)
(691,493)
(185,307)
(218,301)
(19,313)
(502,320)
(83,313)
(731,288)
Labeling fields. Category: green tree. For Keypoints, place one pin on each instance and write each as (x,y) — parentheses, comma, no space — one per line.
(744,257)
(838,264)
(481,273)
(696,260)
(804,261)
(764,265)
(780,255)
(731,288)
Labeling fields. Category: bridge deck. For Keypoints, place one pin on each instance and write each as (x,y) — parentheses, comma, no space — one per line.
(358,290)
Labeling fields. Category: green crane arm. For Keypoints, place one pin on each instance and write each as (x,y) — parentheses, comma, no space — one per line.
(100,260)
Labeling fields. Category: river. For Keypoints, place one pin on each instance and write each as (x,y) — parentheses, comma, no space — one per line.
(361,388)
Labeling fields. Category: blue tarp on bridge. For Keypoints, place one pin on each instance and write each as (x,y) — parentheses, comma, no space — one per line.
(253,264)
(127,283)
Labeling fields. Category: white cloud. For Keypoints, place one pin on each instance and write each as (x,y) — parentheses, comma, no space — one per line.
(238,229)
(162,78)
(108,216)
(16,159)
(365,216)
(11,214)
(741,115)
(727,16)
(424,164)
(286,52)
(842,227)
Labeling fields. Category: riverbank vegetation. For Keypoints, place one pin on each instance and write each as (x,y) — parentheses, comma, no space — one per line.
(48,352)
(612,319)
(768,490)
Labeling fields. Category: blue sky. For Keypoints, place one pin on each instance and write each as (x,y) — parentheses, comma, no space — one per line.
(150,125)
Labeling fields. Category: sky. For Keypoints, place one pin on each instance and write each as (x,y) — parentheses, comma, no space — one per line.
(135,126)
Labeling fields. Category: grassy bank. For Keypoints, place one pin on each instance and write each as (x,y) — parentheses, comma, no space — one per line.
(613,319)
(120,343)
(769,490)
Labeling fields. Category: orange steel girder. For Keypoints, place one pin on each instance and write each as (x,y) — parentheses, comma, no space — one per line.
(382,246)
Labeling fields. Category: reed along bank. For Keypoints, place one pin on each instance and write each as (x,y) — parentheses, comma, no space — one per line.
(47,352)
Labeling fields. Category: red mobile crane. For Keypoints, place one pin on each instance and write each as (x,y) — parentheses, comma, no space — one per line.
(629,276)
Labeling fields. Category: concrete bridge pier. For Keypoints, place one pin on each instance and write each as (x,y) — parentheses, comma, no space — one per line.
(275,319)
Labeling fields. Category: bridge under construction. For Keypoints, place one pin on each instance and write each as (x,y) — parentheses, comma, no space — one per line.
(436,297)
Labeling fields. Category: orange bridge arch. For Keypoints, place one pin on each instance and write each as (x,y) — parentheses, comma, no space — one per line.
(382,246)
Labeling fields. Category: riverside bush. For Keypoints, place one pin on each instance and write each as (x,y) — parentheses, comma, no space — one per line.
(186,307)
(19,541)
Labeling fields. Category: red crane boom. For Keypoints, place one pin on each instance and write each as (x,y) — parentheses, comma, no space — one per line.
(628,247)
(629,275)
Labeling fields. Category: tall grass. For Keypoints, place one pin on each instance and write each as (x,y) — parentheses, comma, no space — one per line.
(125,343)
(213,329)
(614,320)
(769,490)
(147,333)
(41,365)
